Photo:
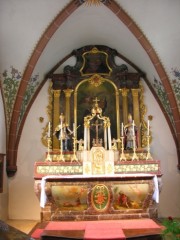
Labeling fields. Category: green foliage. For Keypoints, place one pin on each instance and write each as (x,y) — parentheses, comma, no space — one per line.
(172,229)
(10,84)
(175,83)
(30,90)
(10,87)
(163,98)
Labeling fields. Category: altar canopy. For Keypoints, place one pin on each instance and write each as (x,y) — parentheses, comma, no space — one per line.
(98,163)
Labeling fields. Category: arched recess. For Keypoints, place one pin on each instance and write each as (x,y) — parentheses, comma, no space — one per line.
(114,116)
(14,134)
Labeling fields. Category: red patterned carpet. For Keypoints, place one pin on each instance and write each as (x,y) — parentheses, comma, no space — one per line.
(98,230)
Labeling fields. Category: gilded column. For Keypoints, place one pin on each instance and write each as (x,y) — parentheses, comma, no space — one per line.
(124,93)
(136,111)
(118,116)
(56,114)
(67,93)
(136,115)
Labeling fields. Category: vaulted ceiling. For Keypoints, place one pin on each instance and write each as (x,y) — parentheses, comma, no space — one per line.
(144,33)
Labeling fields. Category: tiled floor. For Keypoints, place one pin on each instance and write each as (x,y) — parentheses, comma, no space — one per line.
(23,225)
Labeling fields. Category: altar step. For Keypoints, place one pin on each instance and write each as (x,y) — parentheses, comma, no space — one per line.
(99,230)
(79,235)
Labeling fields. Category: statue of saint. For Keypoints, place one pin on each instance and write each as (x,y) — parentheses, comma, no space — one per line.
(63,132)
(130,131)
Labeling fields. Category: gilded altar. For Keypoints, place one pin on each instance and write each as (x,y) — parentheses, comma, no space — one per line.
(96,76)
(98,163)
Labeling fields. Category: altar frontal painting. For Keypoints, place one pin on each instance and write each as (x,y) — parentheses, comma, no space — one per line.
(72,198)
(130,196)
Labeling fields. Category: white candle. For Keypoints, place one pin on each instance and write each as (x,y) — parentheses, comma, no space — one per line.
(133,127)
(85,138)
(109,137)
(122,130)
(74,129)
(148,128)
(49,129)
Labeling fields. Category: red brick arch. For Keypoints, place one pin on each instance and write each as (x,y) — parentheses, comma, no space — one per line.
(13,142)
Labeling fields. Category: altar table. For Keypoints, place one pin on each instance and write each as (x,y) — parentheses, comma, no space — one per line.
(96,197)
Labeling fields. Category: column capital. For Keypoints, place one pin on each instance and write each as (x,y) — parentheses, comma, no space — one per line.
(124,91)
(135,92)
(68,92)
(56,93)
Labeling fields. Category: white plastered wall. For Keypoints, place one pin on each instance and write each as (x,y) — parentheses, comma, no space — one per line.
(4,194)
(163,149)
(23,203)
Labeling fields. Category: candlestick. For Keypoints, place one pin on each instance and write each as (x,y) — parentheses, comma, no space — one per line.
(122,155)
(61,129)
(74,157)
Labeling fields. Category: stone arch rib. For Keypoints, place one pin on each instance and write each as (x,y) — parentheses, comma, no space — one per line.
(13,139)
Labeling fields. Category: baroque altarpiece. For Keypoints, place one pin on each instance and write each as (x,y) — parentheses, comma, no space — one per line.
(98,163)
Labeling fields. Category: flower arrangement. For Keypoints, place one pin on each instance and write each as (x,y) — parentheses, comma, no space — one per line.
(172,229)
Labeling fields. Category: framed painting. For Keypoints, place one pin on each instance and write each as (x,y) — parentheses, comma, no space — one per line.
(105,93)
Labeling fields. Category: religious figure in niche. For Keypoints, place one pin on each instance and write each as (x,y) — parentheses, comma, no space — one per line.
(131,132)
(63,132)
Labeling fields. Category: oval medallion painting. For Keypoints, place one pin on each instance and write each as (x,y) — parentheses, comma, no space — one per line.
(100,197)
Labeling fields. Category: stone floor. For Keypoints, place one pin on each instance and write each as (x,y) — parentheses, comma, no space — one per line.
(23,225)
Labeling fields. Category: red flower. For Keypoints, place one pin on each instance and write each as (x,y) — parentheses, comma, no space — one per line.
(170,218)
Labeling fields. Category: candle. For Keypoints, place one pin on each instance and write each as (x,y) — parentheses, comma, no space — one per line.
(148,128)
(74,129)
(85,138)
(109,137)
(122,130)
(133,127)
(49,129)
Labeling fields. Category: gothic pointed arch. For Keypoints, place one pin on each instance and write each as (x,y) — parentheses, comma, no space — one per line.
(14,135)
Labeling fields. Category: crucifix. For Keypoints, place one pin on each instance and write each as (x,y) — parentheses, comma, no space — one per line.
(96,100)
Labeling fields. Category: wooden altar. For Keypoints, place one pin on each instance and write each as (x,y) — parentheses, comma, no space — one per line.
(98,163)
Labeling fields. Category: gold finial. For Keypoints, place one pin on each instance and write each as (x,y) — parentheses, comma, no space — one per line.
(92,2)
(150,117)
(96,109)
